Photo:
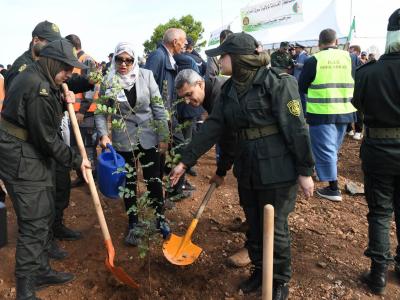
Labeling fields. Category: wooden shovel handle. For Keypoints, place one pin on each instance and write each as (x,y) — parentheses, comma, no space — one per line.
(268,252)
(92,185)
(205,200)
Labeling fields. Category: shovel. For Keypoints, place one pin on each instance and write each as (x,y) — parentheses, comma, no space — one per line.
(118,272)
(180,250)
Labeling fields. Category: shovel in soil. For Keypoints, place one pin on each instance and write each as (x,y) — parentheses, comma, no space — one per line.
(180,250)
(118,272)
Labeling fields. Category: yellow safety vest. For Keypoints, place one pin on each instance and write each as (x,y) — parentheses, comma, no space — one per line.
(332,89)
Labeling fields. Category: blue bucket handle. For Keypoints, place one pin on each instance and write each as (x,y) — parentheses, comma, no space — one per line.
(114,153)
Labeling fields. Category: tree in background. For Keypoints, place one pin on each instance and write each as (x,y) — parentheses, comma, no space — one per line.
(193,28)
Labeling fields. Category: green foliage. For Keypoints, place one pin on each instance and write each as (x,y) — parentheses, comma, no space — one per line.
(96,76)
(193,28)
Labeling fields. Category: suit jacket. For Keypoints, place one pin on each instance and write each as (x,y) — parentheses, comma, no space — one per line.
(138,119)
(164,73)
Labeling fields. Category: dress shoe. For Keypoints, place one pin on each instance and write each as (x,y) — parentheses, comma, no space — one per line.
(187,186)
(56,252)
(376,278)
(62,232)
(191,171)
(52,277)
(178,196)
(280,292)
(240,259)
(253,283)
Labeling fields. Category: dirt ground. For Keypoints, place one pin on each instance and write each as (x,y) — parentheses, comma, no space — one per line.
(328,244)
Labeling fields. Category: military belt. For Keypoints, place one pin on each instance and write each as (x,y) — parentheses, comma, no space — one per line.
(14,130)
(258,132)
(383,133)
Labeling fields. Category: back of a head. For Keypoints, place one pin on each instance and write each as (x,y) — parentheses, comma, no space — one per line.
(75,41)
(171,34)
(393,33)
(355,48)
(327,37)
(224,34)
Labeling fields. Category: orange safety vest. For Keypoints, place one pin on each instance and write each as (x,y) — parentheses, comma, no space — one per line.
(79,96)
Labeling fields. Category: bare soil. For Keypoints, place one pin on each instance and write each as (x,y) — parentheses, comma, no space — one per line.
(328,241)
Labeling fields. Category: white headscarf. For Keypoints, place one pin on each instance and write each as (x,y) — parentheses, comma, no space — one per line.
(127,81)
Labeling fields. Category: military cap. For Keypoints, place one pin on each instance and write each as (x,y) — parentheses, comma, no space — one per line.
(47,30)
(284,45)
(297,45)
(62,50)
(236,43)
(394,21)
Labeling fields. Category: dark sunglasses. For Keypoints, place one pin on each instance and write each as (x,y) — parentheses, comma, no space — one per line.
(120,60)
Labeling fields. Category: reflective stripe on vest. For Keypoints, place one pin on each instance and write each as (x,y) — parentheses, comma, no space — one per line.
(332,89)
(80,96)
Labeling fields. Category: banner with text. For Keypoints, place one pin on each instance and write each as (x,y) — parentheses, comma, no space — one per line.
(214,36)
(270,14)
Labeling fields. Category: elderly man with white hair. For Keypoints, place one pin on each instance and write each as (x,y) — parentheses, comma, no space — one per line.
(162,63)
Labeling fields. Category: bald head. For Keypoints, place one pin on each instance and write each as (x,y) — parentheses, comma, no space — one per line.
(174,40)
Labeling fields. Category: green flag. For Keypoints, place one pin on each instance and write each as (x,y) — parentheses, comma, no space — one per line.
(352,29)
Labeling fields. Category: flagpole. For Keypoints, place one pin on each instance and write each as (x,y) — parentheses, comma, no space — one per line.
(222,16)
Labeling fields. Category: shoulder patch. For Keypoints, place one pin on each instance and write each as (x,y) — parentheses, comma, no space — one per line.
(44,88)
(22,68)
(294,107)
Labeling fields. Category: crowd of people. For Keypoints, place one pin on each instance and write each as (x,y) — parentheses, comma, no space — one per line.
(279,120)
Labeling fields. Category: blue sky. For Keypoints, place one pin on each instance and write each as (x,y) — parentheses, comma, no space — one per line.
(102,24)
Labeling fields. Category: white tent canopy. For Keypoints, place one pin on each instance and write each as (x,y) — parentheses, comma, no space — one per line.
(371,21)
(317,15)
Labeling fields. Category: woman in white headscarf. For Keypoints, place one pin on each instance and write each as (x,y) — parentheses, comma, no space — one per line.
(137,104)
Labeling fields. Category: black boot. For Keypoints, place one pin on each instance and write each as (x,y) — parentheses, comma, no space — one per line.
(397,267)
(52,277)
(281,291)
(376,278)
(62,232)
(253,283)
(56,252)
(26,289)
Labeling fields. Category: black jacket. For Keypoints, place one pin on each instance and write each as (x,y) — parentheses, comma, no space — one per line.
(33,105)
(377,97)
(267,161)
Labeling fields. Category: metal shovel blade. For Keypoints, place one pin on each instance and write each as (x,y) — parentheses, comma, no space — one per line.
(118,272)
(180,250)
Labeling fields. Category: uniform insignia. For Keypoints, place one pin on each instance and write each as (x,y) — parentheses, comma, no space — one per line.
(43,92)
(22,68)
(55,28)
(294,107)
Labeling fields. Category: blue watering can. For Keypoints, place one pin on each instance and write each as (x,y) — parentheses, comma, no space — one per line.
(108,177)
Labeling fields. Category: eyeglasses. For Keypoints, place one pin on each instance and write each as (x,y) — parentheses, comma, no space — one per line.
(120,60)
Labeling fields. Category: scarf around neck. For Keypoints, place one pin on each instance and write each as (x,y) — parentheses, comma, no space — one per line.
(127,81)
(244,68)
